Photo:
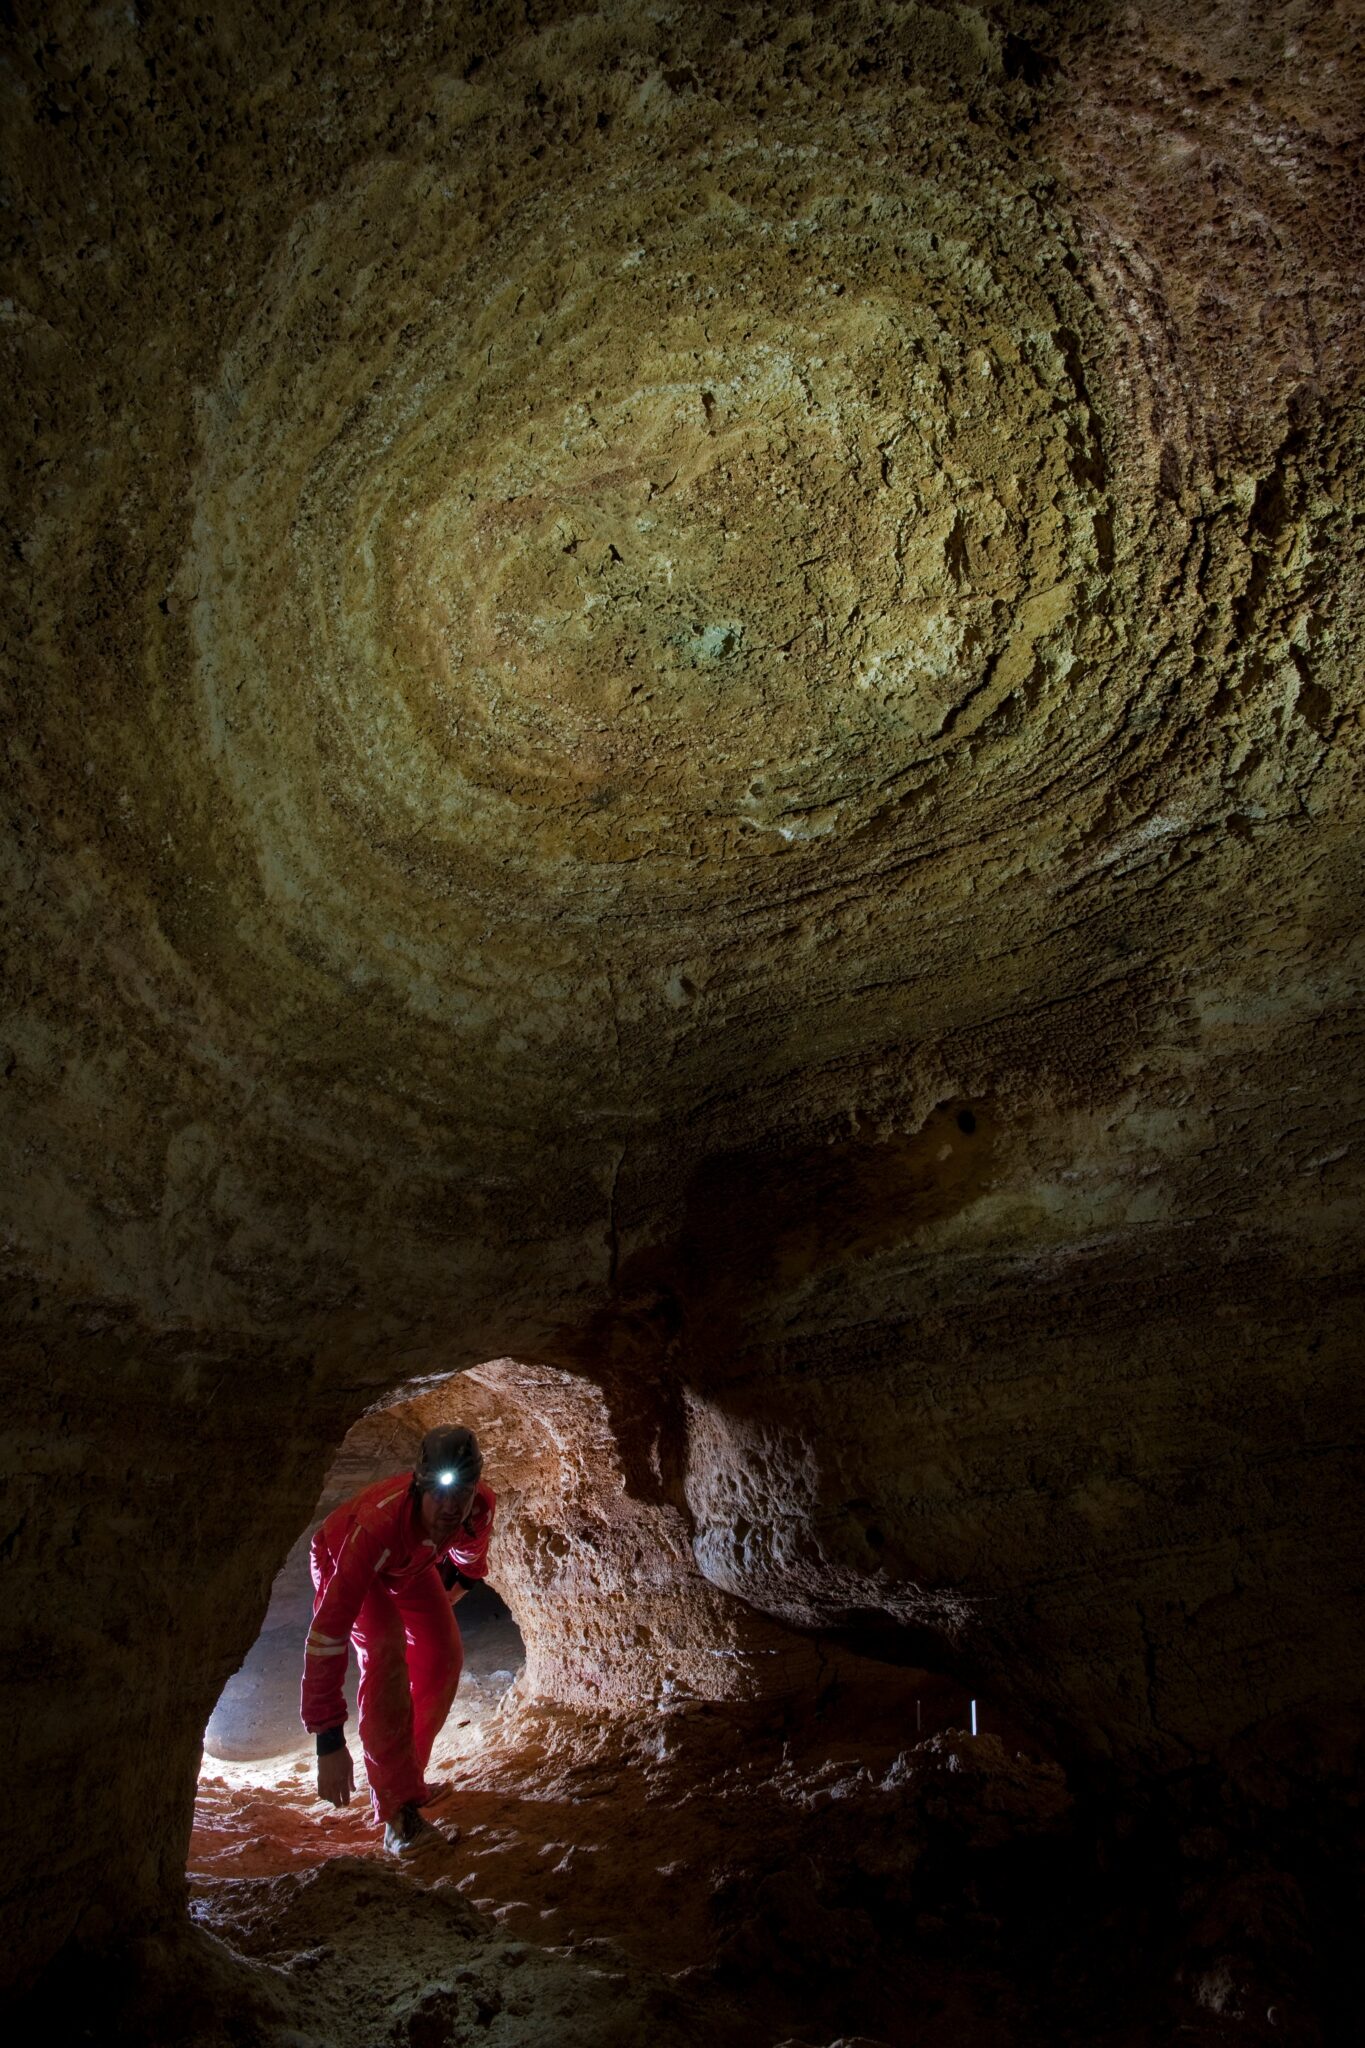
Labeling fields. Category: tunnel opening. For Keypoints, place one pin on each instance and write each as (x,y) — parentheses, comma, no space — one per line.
(256,1804)
(739,1821)
(256,1719)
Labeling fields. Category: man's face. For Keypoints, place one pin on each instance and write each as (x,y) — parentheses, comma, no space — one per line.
(443,1510)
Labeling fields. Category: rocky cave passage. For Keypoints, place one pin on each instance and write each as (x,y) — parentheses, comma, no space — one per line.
(606,1589)
(682,703)
(576,1791)
(256,1718)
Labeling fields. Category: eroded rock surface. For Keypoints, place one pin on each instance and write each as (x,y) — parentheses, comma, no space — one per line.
(736,1875)
(683,703)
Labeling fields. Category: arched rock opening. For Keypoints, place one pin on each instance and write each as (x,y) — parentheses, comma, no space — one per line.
(257,1714)
(675,1773)
(599,1600)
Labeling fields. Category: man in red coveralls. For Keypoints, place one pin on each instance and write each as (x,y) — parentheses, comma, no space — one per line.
(389,1567)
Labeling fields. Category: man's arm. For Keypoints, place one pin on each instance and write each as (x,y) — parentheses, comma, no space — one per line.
(336,1772)
(323,1699)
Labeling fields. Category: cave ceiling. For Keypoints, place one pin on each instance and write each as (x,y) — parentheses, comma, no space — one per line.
(611,613)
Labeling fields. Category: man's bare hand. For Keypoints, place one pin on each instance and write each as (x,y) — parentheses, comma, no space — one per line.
(336,1777)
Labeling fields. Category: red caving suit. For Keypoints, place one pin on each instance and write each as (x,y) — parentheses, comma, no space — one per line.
(378,1586)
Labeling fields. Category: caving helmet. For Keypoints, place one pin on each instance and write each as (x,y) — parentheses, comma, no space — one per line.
(450,1459)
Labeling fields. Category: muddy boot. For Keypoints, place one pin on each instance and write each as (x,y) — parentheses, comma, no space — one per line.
(407,1833)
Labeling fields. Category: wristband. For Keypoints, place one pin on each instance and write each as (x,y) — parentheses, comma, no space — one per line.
(330,1740)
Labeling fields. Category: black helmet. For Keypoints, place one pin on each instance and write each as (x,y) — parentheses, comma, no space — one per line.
(450,1458)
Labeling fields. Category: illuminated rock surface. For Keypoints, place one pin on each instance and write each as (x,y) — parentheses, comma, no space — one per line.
(683,704)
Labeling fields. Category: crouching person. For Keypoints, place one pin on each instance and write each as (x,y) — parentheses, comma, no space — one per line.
(389,1567)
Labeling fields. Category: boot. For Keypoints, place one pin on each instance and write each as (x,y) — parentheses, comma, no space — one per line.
(408,1831)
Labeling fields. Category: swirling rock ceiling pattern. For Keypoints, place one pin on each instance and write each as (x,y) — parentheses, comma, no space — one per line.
(705,516)
(704,553)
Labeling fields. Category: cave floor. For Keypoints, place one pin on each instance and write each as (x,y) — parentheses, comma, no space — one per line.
(776,1874)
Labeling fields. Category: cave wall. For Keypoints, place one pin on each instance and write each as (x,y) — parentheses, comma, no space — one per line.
(595,1555)
(614,622)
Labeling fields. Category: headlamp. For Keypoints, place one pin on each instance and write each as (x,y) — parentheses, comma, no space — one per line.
(449,1462)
